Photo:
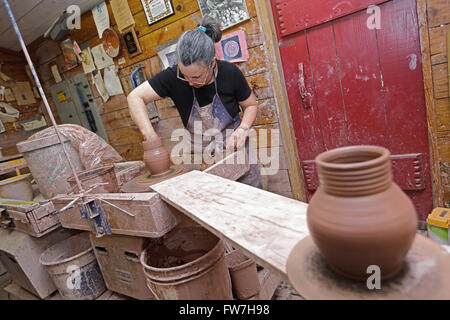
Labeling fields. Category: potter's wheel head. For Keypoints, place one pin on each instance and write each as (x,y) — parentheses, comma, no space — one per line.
(424,275)
(143,182)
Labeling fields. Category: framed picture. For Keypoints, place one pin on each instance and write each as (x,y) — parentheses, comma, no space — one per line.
(167,53)
(131,42)
(156,10)
(228,12)
(232,47)
(70,58)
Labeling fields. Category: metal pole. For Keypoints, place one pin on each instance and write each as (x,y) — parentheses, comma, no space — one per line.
(41,91)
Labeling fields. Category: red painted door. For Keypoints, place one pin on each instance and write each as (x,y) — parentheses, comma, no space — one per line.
(351,81)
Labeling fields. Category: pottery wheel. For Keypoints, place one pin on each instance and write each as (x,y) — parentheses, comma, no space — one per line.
(142,183)
(425,275)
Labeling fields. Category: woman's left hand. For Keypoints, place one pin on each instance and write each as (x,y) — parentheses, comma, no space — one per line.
(238,138)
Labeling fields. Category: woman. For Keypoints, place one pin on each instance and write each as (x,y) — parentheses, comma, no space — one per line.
(205,91)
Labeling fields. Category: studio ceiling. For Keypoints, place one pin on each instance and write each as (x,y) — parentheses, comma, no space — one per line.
(33,17)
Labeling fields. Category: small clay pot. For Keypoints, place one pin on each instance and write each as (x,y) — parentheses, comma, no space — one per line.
(358,216)
(156,157)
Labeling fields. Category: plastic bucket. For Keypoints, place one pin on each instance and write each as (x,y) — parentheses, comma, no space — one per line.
(48,163)
(244,275)
(90,177)
(73,268)
(187,264)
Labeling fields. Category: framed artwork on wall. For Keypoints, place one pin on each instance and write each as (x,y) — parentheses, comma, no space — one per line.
(228,12)
(156,10)
(131,42)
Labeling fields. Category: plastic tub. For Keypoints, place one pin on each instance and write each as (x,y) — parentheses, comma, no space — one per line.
(187,264)
(73,268)
(48,163)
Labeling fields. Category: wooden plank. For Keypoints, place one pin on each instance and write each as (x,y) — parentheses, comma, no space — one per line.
(130,152)
(265,226)
(126,135)
(443,139)
(438,44)
(285,120)
(440,81)
(443,114)
(267,112)
(430,103)
(438,12)
(356,47)
(230,167)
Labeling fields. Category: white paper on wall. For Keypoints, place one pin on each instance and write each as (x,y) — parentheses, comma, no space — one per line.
(101,18)
(112,81)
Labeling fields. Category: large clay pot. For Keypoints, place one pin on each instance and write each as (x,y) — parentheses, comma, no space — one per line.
(156,157)
(358,216)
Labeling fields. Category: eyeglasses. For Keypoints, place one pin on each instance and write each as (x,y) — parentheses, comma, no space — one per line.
(194,82)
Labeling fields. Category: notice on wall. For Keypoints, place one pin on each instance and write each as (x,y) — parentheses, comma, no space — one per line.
(122,14)
(87,60)
(102,60)
(100,85)
(55,73)
(101,18)
(24,93)
(112,81)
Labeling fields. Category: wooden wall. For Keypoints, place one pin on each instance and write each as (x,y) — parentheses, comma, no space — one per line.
(14,66)
(122,133)
(434,17)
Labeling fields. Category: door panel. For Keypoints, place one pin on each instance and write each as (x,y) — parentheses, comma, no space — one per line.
(365,86)
(401,66)
(356,48)
(306,118)
(327,86)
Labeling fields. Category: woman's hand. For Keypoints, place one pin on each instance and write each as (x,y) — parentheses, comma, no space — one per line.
(238,138)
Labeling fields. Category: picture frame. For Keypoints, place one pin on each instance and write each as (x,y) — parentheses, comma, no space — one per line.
(228,12)
(131,42)
(167,53)
(156,10)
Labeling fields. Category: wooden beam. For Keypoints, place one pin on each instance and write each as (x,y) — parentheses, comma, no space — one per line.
(285,119)
(438,191)
(264,225)
(229,168)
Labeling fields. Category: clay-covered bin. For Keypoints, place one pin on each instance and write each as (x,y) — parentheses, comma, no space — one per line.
(48,163)
(74,269)
(187,264)
(17,188)
(358,216)
(88,178)
(244,275)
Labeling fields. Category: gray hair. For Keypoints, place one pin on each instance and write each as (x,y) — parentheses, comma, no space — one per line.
(197,45)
